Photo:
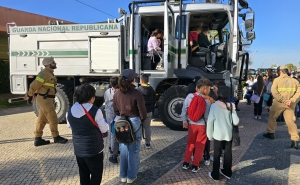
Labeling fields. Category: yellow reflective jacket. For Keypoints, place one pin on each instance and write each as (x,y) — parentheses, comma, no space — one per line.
(44,80)
(285,88)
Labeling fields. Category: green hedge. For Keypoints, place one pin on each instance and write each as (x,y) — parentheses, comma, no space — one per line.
(4,77)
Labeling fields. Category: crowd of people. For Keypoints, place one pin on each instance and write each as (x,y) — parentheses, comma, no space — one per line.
(209,114)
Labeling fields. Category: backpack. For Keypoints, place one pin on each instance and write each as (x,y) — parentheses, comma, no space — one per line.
(196,108)
(123,131)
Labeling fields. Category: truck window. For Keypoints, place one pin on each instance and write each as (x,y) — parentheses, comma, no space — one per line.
(171,22)
(183,27)
(213,37)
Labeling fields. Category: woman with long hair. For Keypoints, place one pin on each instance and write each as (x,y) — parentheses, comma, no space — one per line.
(259,89)
(221,116)
(129,102)
(154,43)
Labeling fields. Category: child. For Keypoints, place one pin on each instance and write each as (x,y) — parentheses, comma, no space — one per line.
(110,116)
(196,130)
(219,127)
(193,38)
(149,97)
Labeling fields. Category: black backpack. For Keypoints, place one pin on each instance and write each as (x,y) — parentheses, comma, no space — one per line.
(124,131)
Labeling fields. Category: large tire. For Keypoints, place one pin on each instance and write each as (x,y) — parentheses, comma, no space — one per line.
(62,102)
(170,105)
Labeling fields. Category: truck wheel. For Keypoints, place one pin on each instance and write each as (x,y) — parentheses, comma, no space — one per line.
(62,102)
(170,105)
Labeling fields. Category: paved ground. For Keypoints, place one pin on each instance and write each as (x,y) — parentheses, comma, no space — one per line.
(256,161)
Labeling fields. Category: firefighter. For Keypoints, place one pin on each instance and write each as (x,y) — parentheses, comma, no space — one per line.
(43,88)
(286,93)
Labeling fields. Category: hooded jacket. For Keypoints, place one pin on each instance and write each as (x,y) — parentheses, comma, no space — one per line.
(149,96)
(87,138)
(219,123)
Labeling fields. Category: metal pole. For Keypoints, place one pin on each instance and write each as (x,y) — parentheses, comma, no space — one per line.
(179,35)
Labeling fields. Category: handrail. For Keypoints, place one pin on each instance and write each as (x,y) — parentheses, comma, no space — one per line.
(178,2)
(246,54)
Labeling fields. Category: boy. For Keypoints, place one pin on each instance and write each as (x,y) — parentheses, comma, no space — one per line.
(193,38)
(110,116)
(196,130)
(149,97)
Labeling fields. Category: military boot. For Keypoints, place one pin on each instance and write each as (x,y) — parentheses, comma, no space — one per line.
(295,144)
(38,141)
(269,135)
(60,140)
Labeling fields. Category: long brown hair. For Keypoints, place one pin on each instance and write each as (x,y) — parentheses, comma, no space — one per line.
(124,84)
(260,84)
(156,32)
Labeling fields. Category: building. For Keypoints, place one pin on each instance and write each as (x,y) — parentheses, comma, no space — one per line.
(20,18)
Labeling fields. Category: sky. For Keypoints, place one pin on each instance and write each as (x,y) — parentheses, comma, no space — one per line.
(276,23)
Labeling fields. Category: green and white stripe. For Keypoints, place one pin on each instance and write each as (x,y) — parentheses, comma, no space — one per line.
(53,53)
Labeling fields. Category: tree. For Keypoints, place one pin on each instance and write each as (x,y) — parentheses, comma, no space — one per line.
(291,67)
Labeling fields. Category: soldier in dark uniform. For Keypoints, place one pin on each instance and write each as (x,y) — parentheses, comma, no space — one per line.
(44,87)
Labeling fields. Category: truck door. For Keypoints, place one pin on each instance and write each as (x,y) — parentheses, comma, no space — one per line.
(169,40)
(105,54)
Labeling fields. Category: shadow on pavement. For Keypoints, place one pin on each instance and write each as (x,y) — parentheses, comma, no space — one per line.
(16,110)
(266,161)
(29,139)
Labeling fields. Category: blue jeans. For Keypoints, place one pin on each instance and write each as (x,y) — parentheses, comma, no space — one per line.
(130,152)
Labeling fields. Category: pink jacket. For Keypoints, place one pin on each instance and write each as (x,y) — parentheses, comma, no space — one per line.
(153,44)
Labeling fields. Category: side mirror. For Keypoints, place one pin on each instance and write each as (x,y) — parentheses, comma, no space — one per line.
(249,21)
(250,35)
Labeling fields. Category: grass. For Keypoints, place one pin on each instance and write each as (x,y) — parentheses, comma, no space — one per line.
(5,104)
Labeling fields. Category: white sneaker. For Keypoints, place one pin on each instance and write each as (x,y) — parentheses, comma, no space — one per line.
(209,68)
(123,179)
(206,162)
(129,181)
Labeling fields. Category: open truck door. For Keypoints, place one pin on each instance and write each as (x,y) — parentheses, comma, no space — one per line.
(169,40)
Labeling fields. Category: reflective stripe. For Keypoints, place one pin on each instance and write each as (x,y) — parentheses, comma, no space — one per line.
(40,79)
(48,84)
(286,89)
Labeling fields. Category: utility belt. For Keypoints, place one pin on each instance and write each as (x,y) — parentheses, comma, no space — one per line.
(47,96)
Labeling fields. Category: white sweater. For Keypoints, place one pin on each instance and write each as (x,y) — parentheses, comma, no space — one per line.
(219,125)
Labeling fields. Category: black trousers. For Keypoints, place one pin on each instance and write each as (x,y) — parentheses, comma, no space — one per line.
(258,107)
(227,161)
(206,150)
(90,169)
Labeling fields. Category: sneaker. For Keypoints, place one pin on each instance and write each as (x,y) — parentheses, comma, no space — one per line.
(123,179)
(195,169)
(148,145)
(221,172)
(113,159)
(209,174)
(185,165)
(60,140)
(38,141)
(254,117)
(129,181)
(258,117)
(269,135)
(209,68)
(206,162)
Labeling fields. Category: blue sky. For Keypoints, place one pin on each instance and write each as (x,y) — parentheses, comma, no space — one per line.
(276,23)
